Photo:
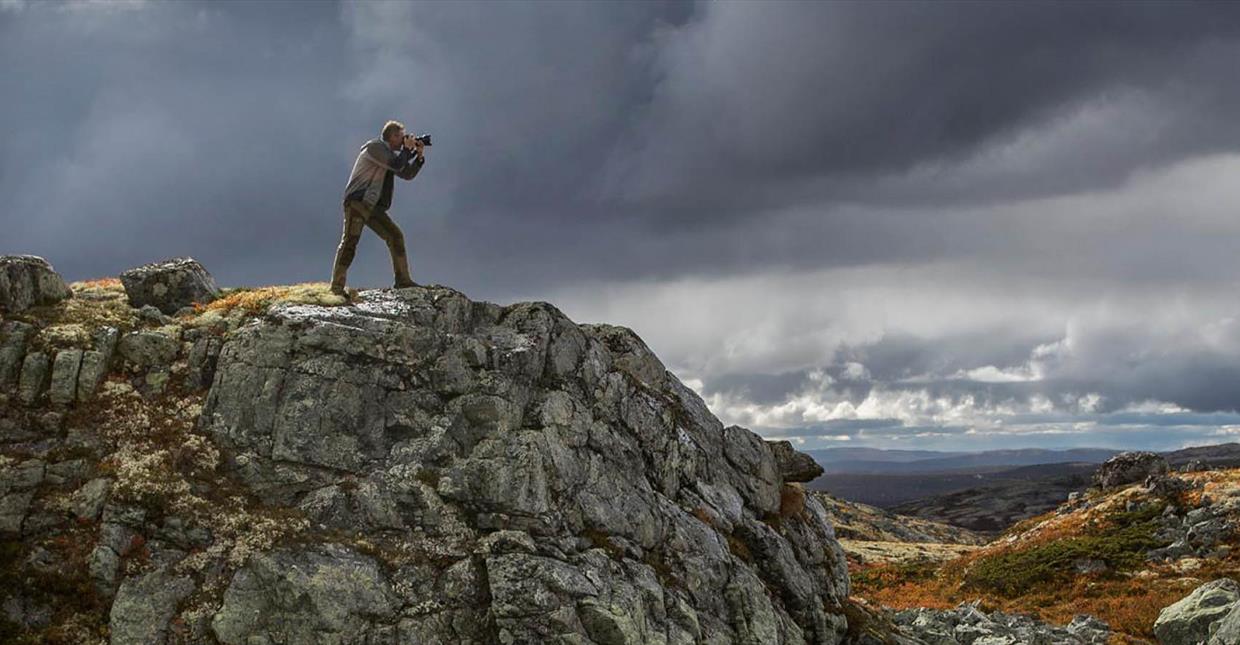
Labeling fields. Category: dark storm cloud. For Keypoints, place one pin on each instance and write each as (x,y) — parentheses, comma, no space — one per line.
(678,112)
(949,214)
(753,100)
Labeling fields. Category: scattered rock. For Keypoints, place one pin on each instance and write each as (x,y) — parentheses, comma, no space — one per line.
(27,281)
(969,625)
(1194,466)
(1169,486)
(169,285)
(1128,468)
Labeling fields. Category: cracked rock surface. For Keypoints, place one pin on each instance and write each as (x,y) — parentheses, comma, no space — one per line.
(574,489)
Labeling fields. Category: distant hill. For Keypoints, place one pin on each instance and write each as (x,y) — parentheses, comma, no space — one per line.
(1218,455)
(987,498)
(890,490)
(874,462)
(852,453)
(1012,496)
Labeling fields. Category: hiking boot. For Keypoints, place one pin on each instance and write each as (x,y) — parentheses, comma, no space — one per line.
(404,284)
(348,297)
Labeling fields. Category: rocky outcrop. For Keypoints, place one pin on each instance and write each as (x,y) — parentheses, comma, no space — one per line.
(1203,530)
(1128,468)
(169,285)
(577,490)
(1199,617)
(794,466)
(412,467)
(969,625)
(27,281)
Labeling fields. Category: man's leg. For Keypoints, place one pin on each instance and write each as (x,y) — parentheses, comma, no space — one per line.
(387,229)
(354,220)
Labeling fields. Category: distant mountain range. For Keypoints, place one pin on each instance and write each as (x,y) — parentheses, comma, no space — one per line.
(983,491)
(871,461)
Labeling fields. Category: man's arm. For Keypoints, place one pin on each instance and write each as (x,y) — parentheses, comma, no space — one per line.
(410,169)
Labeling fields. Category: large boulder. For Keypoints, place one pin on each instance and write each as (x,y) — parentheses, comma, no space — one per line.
(1129,468)
(1227,630)
(1189,621)
(169,285)
(27,281)
(568,487)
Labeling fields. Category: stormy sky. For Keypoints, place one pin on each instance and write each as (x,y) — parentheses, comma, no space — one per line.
(931,225)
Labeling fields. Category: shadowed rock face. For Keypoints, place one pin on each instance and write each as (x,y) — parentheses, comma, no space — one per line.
(577,491)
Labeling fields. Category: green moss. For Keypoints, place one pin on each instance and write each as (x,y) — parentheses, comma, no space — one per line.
(1121,542)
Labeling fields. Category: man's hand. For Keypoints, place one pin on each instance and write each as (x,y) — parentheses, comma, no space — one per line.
(418,145)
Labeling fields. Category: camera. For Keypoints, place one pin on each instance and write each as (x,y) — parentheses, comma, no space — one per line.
(424,138)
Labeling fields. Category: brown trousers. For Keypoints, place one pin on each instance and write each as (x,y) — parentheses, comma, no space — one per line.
(356,214)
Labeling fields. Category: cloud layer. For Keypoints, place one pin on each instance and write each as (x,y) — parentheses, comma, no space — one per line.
(950,225)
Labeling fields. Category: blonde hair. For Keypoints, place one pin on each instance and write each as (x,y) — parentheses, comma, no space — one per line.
(390,127)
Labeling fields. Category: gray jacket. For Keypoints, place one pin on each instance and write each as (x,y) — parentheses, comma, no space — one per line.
(373,162)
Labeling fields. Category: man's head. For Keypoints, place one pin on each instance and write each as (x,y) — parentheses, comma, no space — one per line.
(393,134)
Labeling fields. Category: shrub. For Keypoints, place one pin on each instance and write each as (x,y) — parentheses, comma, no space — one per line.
(1121,544)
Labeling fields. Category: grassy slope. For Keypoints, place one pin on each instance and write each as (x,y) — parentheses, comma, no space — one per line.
(1030,568)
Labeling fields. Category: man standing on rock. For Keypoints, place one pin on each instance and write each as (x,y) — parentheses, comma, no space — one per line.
(368,196)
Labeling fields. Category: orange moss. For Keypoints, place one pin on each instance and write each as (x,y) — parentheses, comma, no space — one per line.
(255,300)
(111,282)
(1129,604)
(700,513)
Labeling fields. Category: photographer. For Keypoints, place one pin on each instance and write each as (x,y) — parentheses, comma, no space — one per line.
(368,195)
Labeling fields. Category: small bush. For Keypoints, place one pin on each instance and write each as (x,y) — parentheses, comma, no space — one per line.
(1121,544)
